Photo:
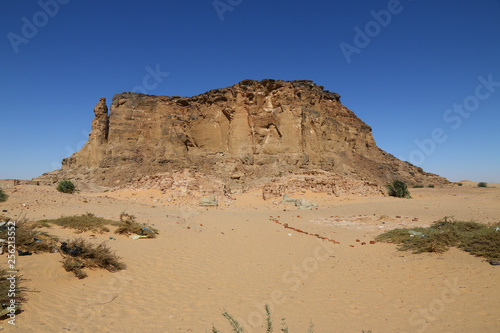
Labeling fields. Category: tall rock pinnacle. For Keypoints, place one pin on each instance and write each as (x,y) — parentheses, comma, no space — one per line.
(100,124)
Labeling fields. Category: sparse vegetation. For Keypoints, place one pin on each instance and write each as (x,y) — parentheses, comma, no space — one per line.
(130,225)
(460,184)
(82,254)
(284,326)
(3,196)
(269,322)
(90,222)
(66,186)
(482,184)
(125,217)
(430,186)
(74,265)
(398,189)
(28,239)
(77,254)
(476,238)
(137,228)
(418,186)
(311,327)
(5,290)
(237,328)
(81,223)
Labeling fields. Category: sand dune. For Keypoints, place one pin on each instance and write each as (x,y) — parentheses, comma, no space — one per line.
(235,258)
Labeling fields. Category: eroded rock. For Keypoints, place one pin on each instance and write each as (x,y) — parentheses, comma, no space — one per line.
(252,131)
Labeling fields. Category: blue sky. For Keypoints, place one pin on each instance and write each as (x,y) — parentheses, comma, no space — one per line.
(416,76)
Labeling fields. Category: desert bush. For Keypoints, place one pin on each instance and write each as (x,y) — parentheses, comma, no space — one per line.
(3,196)
(129,227)
(74,265)
(66,186)
(430,186)
(398,189)
(88,255)
(90,222)
(476,238)
(29,239)
(78,255)
(5,291)
(81,223)
(482,184)
(418,186)
(460,184)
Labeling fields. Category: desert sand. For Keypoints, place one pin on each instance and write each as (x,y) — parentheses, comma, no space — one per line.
(236,258)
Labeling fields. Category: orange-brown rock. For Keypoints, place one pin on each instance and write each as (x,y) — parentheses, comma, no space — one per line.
(244,134)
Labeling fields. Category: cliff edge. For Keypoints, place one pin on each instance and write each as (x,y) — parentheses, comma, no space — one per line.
(244,134)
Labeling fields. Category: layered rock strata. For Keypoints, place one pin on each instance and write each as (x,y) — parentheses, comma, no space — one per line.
(243,134)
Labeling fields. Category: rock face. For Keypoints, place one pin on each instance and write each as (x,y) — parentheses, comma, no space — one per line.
(252,131)
(100,124)
(320,182)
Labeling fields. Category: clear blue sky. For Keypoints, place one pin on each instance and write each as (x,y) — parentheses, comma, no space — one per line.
(403,79)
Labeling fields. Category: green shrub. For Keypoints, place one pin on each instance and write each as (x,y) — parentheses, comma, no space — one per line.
(66,186)
(460,184)
(3,196)
(418,186)
(476,238)
(482,184)
(398,189)
(430,185)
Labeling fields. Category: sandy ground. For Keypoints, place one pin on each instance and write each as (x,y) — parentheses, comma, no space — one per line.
(236,258)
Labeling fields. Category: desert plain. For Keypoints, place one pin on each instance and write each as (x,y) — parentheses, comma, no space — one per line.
(238,257)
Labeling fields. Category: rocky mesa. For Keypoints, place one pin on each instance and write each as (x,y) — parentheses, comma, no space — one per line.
(244,135)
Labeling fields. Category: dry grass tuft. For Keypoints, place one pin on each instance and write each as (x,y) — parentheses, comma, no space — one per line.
(90,222)
(5,289)
(90,256)
(81,223)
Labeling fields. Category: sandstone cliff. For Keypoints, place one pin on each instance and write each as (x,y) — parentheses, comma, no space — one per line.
(242,135)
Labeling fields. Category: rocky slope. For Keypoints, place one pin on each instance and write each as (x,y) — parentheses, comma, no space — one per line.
(242,135)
